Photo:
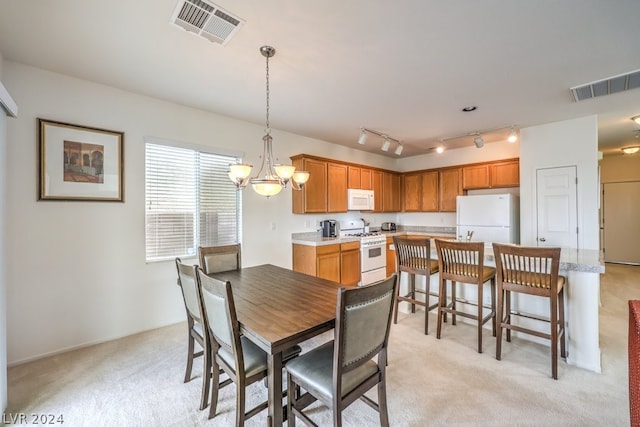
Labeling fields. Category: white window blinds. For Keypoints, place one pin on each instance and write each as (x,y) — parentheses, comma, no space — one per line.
(190,201)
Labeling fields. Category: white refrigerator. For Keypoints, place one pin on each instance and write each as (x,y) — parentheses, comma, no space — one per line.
(490,218)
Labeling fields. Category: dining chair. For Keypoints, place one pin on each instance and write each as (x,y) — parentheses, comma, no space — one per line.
(463,262)
(195,330)
(343,370)
(243,361)
(215,259)
(531,271)
(413,256)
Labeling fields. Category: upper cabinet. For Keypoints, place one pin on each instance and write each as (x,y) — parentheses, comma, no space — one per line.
(336,187)
(391,188)
(420,192)
(491,175)
(313,196)
(450,186)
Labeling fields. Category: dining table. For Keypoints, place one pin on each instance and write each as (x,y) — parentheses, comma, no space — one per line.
(278,308)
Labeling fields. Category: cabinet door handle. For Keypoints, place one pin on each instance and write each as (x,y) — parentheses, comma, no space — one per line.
(542,239)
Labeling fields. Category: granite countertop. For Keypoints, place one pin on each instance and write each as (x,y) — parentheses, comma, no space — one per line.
(571,259)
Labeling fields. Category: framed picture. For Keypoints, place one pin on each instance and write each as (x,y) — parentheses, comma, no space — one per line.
(79,162)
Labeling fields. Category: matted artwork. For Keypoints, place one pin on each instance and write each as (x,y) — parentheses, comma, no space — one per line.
(79,162)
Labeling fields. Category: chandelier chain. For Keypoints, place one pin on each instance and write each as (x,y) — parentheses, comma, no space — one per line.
(268,130)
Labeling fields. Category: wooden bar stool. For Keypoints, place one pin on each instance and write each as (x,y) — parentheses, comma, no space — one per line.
(532,271)
(464,263)
(413,256)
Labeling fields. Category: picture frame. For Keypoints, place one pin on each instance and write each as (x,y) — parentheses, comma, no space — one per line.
(79,163)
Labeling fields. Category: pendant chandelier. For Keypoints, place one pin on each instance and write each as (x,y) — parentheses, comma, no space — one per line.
(271,178)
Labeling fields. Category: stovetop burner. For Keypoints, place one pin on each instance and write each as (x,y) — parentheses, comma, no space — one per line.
(361,234)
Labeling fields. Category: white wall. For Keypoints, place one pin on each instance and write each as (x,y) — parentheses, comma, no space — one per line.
(76,270)
(566,143)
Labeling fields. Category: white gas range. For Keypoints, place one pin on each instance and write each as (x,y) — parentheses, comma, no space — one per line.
(373,256)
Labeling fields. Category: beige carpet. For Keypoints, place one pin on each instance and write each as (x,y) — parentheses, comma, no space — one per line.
(137,381)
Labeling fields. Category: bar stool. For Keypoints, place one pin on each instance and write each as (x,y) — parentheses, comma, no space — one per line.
(532,271)
(463,262)
(413,256)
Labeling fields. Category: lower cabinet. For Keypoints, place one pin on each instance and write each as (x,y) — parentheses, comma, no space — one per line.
(338,263)
(391,257)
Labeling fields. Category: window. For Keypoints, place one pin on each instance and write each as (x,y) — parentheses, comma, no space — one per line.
(189,201)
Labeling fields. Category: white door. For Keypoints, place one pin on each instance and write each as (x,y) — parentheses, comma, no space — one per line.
(621,203)
(556,191)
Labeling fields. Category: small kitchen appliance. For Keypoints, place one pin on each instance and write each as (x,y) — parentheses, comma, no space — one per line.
(330,228)
(388,226)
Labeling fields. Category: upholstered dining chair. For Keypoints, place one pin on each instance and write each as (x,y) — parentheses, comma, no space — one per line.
(343,370)
(413,256)
(242,360)
(532,271)
(195,329)
(463,262)
(215,259)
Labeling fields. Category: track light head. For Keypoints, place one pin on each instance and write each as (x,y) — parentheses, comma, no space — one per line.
(478,141)
(363,137)
(440,148)
(513,136)
(399,149)
(386,144)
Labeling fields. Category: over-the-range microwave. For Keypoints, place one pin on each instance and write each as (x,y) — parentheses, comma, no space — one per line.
(360,200)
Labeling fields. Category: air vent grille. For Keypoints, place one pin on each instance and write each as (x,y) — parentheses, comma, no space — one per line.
(607,86)
(206,20)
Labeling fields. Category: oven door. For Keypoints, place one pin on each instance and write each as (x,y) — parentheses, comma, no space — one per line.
(373,257)
(373,276)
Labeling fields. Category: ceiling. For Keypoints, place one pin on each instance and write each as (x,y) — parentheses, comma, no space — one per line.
(404,69)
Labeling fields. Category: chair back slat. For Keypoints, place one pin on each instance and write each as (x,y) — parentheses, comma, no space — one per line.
(531,267)
(187,283)
(460,261)
(413,254)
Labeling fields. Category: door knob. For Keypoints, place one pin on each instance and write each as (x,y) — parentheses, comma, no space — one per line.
(542,239)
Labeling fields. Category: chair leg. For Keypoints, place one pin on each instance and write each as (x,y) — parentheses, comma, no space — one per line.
(563,344)
(412,291)
(554,336)
(499,326)
(442,303)
(240,403)
(507,316)
(426,307)
(215,379)
(397,303)
(493,305)
(382,403)
(292,395)
(453,302)
(480,300)
(190,348)
(206,378)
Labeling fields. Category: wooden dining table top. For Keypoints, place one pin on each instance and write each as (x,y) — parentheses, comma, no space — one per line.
(278,308)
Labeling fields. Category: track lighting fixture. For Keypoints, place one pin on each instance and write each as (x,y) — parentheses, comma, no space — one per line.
(636,119)
(440,148)
(478,141)
(363,137)
(513,135)
(385,144)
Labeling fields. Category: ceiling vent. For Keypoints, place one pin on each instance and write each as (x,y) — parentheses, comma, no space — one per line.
(206,20)
(607,86)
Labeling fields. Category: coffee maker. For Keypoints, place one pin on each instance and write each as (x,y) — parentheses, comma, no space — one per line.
(330,228)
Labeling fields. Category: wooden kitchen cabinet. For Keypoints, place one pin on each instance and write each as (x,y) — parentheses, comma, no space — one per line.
(391,189)
(313,196)
(505,174)
(420,192)
(339,263)
(376,186)
(354,180)
(365,179)
(391,257)
(336,187)
(350,263)
(491,175)
(450,186)
(475,177)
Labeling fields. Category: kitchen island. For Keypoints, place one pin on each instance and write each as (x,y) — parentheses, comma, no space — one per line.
(582,268)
